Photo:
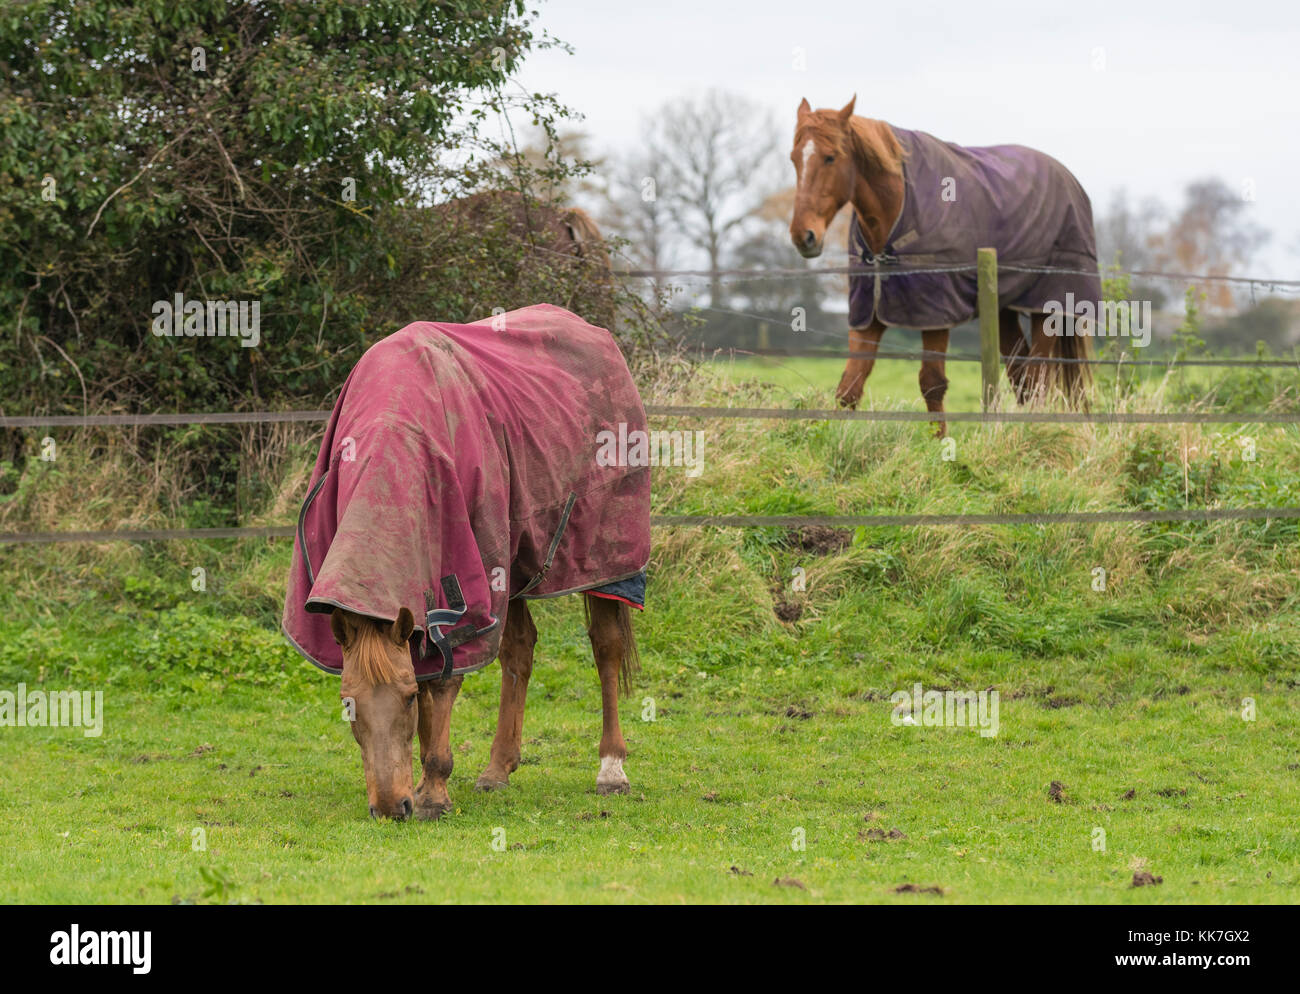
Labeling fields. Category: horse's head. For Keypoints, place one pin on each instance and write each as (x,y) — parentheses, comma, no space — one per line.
(379,681)
(824,173)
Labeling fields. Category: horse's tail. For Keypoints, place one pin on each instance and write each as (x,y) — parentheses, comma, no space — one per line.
(1074,377)
(630,664)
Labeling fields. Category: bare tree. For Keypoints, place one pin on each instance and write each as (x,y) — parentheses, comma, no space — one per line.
(763,242)
(1125,234)
(711,154)
(634,210)
(1126,238)
(1212,234)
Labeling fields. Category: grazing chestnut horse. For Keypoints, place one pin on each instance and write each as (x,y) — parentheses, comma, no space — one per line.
(467,468)
(390,706)
(920,202)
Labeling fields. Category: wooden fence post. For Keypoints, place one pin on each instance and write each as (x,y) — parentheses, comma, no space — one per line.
(987,299)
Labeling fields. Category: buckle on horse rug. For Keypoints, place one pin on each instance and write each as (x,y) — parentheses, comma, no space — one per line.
(435,617)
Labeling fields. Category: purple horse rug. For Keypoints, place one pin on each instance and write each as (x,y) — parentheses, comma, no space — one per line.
(956,200)
(458,470)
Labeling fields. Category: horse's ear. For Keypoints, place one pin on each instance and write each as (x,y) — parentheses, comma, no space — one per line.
(339,626)
(402,627)
(804,107)
(846,111)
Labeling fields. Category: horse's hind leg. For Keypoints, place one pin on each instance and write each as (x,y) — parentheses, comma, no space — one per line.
(518,639)
(1014,350)
(436,698)
(610,643)
(1040,374)
(864,341)
(934,382)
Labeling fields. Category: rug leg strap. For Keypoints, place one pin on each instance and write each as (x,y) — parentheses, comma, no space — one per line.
(555,544)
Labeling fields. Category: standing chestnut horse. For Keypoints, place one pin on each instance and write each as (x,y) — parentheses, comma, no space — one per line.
(920,202)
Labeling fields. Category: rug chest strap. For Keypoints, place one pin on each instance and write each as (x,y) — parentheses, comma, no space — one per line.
(435,618)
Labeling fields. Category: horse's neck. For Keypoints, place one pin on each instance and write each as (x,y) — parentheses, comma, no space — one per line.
(878,200)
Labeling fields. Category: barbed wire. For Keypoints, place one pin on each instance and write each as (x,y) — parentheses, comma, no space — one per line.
(806,273)
(889,271)
(922,354)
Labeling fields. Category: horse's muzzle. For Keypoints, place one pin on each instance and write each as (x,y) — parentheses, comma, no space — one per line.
(403,811)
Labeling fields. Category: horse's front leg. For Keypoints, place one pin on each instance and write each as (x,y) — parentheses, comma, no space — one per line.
(436,698)
(518,639)
(863,343)
(934,382)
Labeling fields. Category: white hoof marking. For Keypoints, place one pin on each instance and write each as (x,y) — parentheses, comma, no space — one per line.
(611,772)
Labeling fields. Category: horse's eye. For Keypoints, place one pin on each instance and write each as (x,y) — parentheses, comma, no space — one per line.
(410,700)
(829,159)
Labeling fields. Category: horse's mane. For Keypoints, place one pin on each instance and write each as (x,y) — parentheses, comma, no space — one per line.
(875,147)
(369,656)
(872,143)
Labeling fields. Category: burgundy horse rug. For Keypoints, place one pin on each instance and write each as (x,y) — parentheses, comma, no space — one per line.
(956,200)
(459,469)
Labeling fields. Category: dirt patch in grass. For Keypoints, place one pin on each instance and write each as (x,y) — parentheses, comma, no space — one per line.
(819,540)
(1057,792)
(916,889)
(788,882)
(388,895)
(787,610)
(880,835)
(1063,701)
(1142,878)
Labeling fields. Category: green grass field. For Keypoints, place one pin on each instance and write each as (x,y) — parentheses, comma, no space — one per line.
(1164,704)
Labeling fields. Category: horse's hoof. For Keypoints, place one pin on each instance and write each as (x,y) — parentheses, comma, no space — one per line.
(604,789)
(486,783)
(431,810)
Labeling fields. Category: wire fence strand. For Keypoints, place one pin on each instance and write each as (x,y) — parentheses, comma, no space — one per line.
(720,521)
(981,417)
(702,411)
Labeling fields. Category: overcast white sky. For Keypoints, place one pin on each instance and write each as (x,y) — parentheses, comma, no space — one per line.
(1187,90)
